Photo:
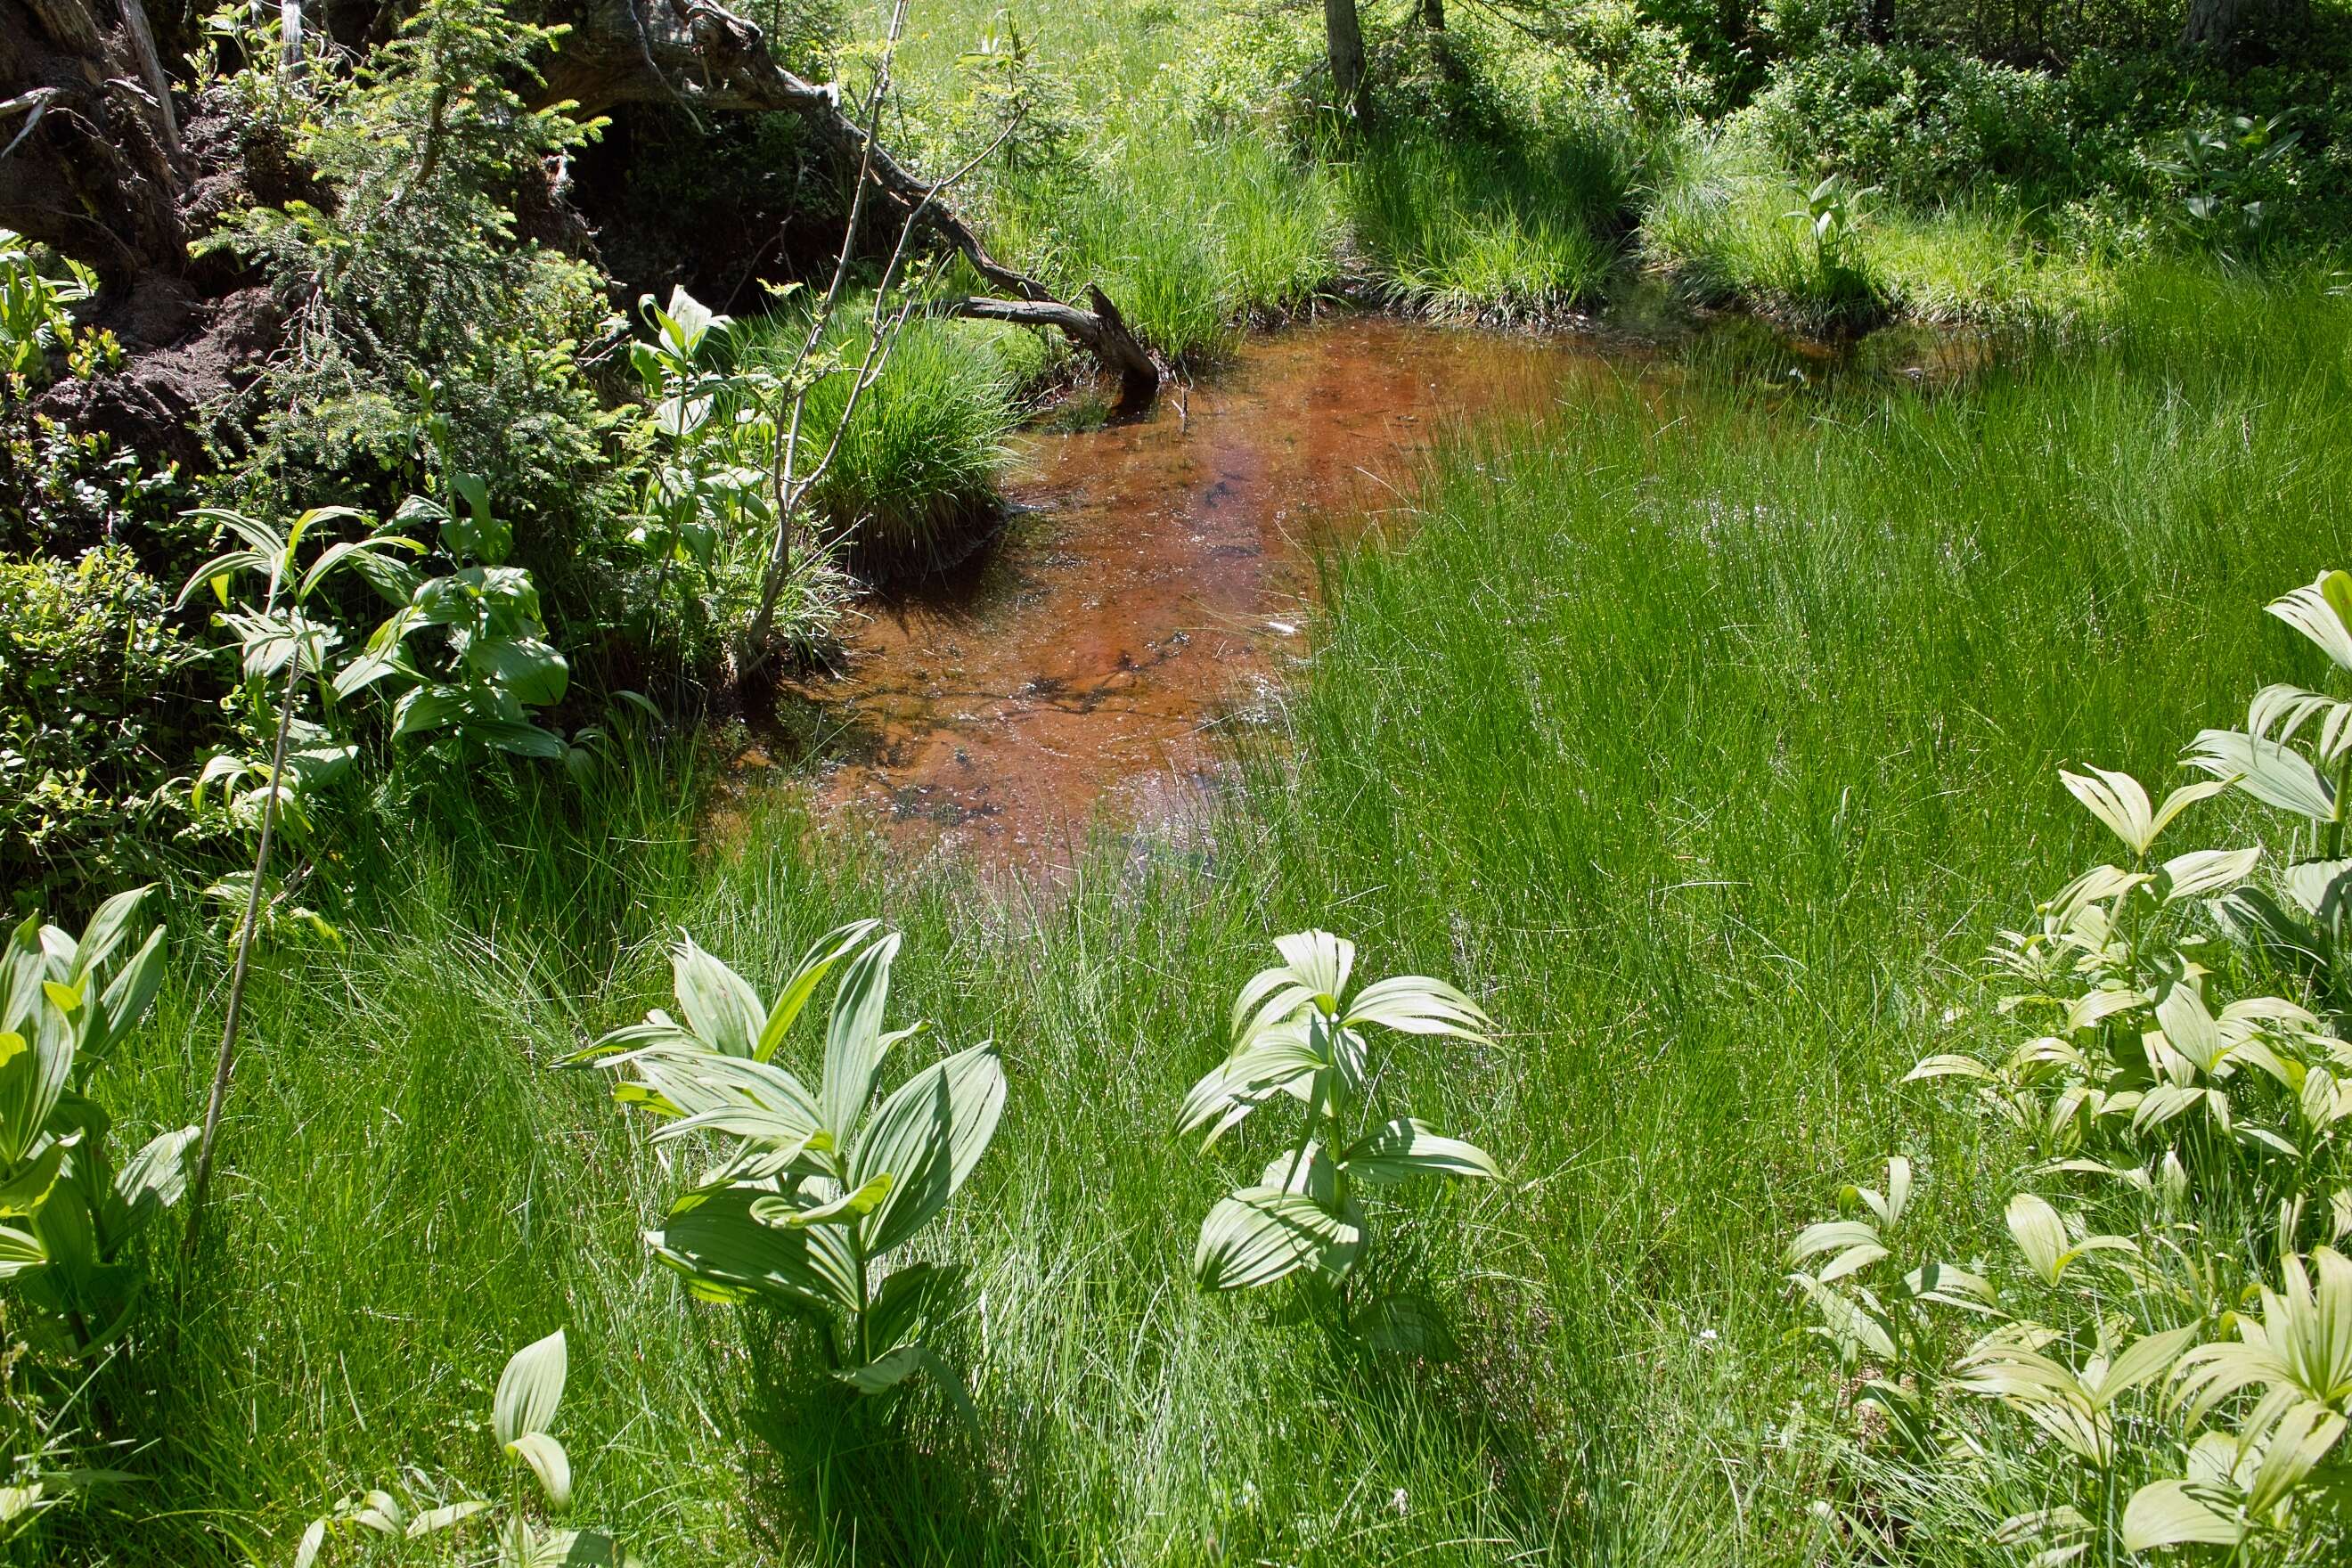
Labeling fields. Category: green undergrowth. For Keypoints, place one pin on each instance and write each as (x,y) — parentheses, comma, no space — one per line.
(1497,233)
(914,478)
(1180,161)
(1707,737)
(1192,237)
(1727,222)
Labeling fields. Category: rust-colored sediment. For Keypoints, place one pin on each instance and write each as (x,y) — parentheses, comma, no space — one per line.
(1154,579)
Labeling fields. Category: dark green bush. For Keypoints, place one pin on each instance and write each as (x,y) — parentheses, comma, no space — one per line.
(2101,137)
(432,334)
(86,660)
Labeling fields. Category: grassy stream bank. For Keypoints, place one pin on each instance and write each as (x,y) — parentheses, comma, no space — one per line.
(1707,747)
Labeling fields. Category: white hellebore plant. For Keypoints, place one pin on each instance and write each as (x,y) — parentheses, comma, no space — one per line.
(1297,1032)
(522,1417)
(812,1188)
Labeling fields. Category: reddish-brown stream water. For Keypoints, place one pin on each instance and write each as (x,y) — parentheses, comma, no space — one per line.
(1153,583)
(1153,579)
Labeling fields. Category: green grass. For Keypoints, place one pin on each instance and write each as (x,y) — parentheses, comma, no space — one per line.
(914,476)
(1191,239)
(1515,233)
(1707,740)
(1195,190)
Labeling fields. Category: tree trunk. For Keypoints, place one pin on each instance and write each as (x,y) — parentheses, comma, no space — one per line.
(1343,36)
(1433,14)
(2234,27)
(88,145)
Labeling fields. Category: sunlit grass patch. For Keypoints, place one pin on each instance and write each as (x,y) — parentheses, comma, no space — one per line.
(1731,227)
(1475,233)
(1191,237)
(916,473)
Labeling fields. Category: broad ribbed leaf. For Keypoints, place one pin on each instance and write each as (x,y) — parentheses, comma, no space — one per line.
(853,1047)
(928,1136)
(846,1209)
(720,1006)
(1948,1066)
(1416,1004)
(1271,996)
(19,1251)
(2319,610)
(433,1521)
(1832,1235)
(815,965)
(33,1076)
(2041,1235)
(2202,872)
(2274,774)
(2189,1026)
(713,1239)
(20,977)
(1278,1059)
(753,1125)
(520,1546)
(548,1461)
(1405,1148)
(22,1194)
(532,670)
(885,1370)
(2166,1513)
(906,1300)
(155,1178)
(1260,1235)
(529,1389)
(2118,800)
(128,994)
(1307,1170)
(699,1081)
(2143,1361)
(106,932)
(1321,963)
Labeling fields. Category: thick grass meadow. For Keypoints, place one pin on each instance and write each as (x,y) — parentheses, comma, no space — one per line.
(1707,738)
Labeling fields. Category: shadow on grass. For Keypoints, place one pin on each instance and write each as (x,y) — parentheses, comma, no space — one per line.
(839,1476)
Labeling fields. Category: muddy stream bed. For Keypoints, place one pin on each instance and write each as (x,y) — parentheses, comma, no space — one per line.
(1153,582)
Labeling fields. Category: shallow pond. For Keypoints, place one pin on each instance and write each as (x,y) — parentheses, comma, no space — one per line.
(1153,583)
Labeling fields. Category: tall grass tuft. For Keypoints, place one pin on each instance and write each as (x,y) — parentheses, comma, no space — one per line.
(1726,221)
(1519,232)
(1193,238)
(914,482)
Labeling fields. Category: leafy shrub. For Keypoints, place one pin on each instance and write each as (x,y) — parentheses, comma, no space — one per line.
(38,335)
(809,1191)
(2101,141)
(463,658)
(85,651)
(67,1213)
(427,327)
(1298,1033)
(2169,1364)
(522,1419)
(1608,53)
(70,1218)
